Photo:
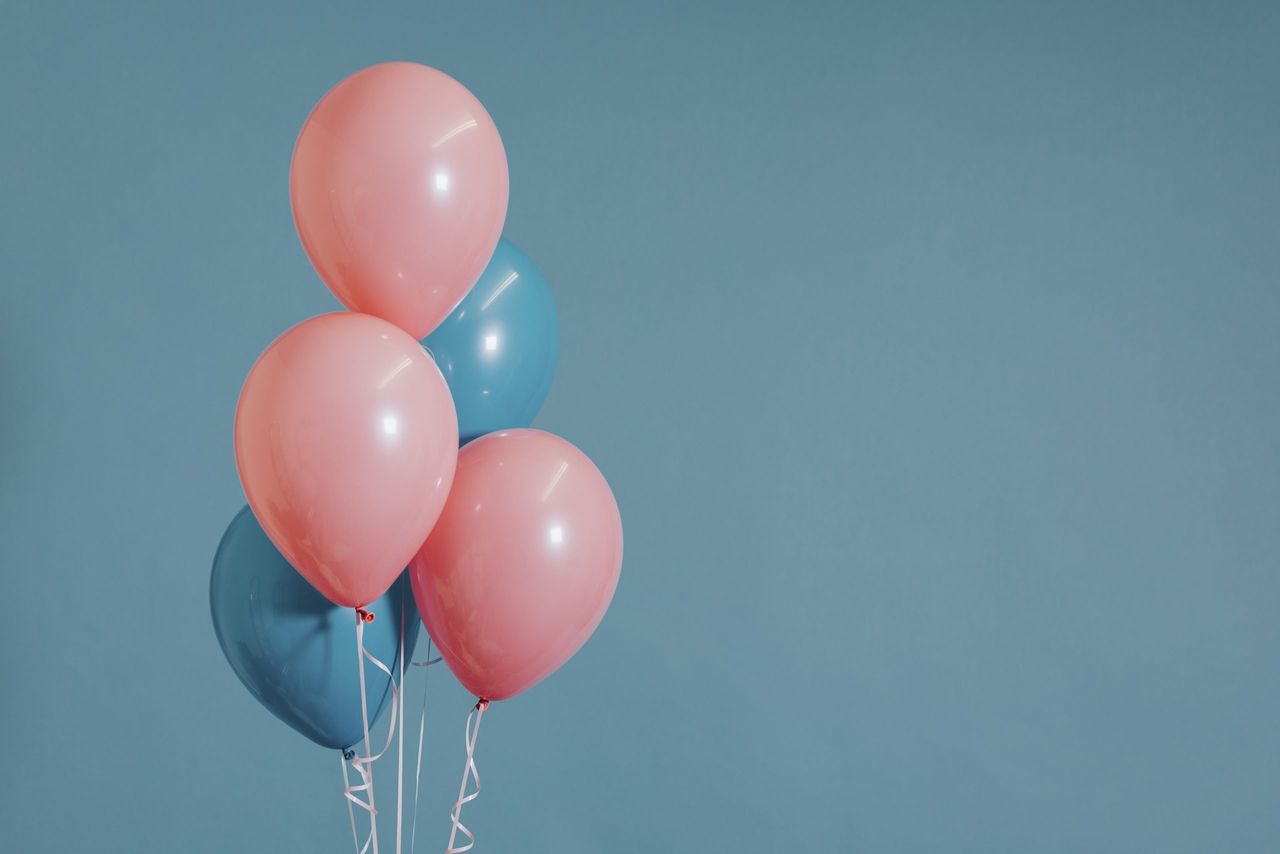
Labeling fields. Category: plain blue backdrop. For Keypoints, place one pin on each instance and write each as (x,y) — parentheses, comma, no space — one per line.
(933,352)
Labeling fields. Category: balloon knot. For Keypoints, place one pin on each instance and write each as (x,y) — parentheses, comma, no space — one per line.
(348,754)
(365,616)
(482,704)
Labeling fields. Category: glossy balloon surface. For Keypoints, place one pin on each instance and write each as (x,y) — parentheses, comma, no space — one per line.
(523,563)
(498,349)
(346,442)
(294,649)
(399,191)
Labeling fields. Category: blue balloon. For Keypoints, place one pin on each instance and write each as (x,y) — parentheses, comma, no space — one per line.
(498,349)
(294,649)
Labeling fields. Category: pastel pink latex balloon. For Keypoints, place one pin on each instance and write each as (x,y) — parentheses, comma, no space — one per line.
(522,564)
(399,191)
(346,442)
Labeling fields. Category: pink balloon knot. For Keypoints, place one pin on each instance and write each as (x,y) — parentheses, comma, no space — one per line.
(482,704)
(366,616)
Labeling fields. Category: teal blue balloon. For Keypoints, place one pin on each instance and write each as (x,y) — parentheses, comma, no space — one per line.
(294,649)
(498,349)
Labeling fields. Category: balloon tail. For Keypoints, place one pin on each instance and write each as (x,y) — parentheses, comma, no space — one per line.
(364,764)
(422,730)
(469,770)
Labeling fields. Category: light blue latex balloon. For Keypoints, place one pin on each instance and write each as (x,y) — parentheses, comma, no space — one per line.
(294,649)
(498,349)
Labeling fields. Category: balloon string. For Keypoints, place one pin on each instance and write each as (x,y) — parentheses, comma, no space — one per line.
(422,729)
(364,764)
(351,813)
(365,772)
(469,770)
(400,736)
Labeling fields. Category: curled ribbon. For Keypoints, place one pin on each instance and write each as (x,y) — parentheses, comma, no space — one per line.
(477,712)
(346,785)
(364,764)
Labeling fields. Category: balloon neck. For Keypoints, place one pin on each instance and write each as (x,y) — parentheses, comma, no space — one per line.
(348,754)
(482,704)
(364,616)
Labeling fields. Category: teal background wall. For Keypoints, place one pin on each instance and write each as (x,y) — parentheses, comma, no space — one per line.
(933,351)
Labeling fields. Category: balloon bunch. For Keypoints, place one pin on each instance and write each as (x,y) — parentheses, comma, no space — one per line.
(347,439)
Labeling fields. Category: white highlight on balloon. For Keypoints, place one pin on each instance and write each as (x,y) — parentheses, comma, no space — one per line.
(555,479)
(467,125)
(397,368)
(497,292)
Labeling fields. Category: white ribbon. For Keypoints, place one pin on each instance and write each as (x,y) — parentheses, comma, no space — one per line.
(422,729)
(351,813)
(477,712)
(400,737)
(364,764)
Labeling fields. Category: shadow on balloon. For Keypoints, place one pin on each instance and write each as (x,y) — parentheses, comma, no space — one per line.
(294,649)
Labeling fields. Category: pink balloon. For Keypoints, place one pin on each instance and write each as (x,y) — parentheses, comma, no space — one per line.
(399,191)
(522,564)
(346,442)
